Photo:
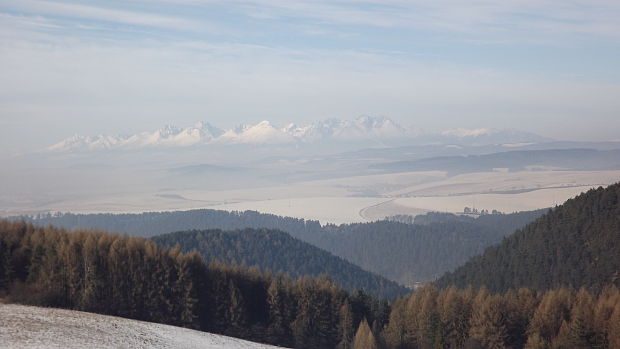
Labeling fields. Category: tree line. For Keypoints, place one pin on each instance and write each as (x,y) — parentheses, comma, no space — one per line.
(132,277)
(523,318)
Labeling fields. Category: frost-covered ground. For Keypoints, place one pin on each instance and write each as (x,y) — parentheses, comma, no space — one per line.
(33,327)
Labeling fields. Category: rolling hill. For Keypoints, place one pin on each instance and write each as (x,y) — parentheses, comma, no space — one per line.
(405,253)
(279,252)
(576,244)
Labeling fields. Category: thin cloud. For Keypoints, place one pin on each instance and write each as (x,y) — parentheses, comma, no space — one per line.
(87,12)
(581,16)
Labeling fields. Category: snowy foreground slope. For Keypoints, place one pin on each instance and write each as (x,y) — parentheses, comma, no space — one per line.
(34,327)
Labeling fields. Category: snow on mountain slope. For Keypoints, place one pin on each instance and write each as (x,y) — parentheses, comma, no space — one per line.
(364,128)
(263,132)
(33,327)
(169,136)
(360,128)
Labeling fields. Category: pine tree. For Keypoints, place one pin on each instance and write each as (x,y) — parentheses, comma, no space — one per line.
(90,292)
(395,333)
(455,312)
(186,284)
(582,334)
(237,312)
(345,326)
(279,313)
(552,311)
(364,338)
(488,322)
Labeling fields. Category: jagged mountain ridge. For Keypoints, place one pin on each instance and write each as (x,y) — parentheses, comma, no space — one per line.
(264,132)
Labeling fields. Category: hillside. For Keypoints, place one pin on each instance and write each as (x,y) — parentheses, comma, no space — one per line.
(134,278)
(410,253)
(405,253)
(279,252)
(34,327)
(576,244)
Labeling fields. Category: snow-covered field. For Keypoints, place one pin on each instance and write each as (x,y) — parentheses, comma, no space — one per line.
(358,198)
(33,327)
(367,198)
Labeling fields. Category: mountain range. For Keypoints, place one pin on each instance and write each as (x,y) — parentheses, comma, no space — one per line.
(363,128)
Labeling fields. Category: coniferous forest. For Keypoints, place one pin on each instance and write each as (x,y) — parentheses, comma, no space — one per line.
(277,251)
(132,277)
(576,244)
(568,258)
(405,253)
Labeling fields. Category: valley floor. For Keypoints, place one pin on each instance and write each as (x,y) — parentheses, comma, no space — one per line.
(34,327)
(349,199)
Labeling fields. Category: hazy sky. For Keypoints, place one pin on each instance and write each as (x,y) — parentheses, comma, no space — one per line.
(93,67)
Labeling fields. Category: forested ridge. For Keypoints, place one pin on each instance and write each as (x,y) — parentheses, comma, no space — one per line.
(423,251)
(405,253)
(131,277)
(149,224)
(279,252)
(576,244)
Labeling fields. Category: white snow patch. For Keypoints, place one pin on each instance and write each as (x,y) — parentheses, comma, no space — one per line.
(33,327)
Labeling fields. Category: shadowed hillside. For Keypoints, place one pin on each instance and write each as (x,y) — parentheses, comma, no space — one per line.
(279,252)
(576,244)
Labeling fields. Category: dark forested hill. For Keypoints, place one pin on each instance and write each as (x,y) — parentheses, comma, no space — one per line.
(279,252)
(134,278)
(155,223)
(405,253)
(411,253)
(576,244)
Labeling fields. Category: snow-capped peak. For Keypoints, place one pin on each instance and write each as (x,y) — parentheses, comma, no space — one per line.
(364,128)
(263,132)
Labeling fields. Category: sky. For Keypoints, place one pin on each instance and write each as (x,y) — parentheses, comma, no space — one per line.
(120,67)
